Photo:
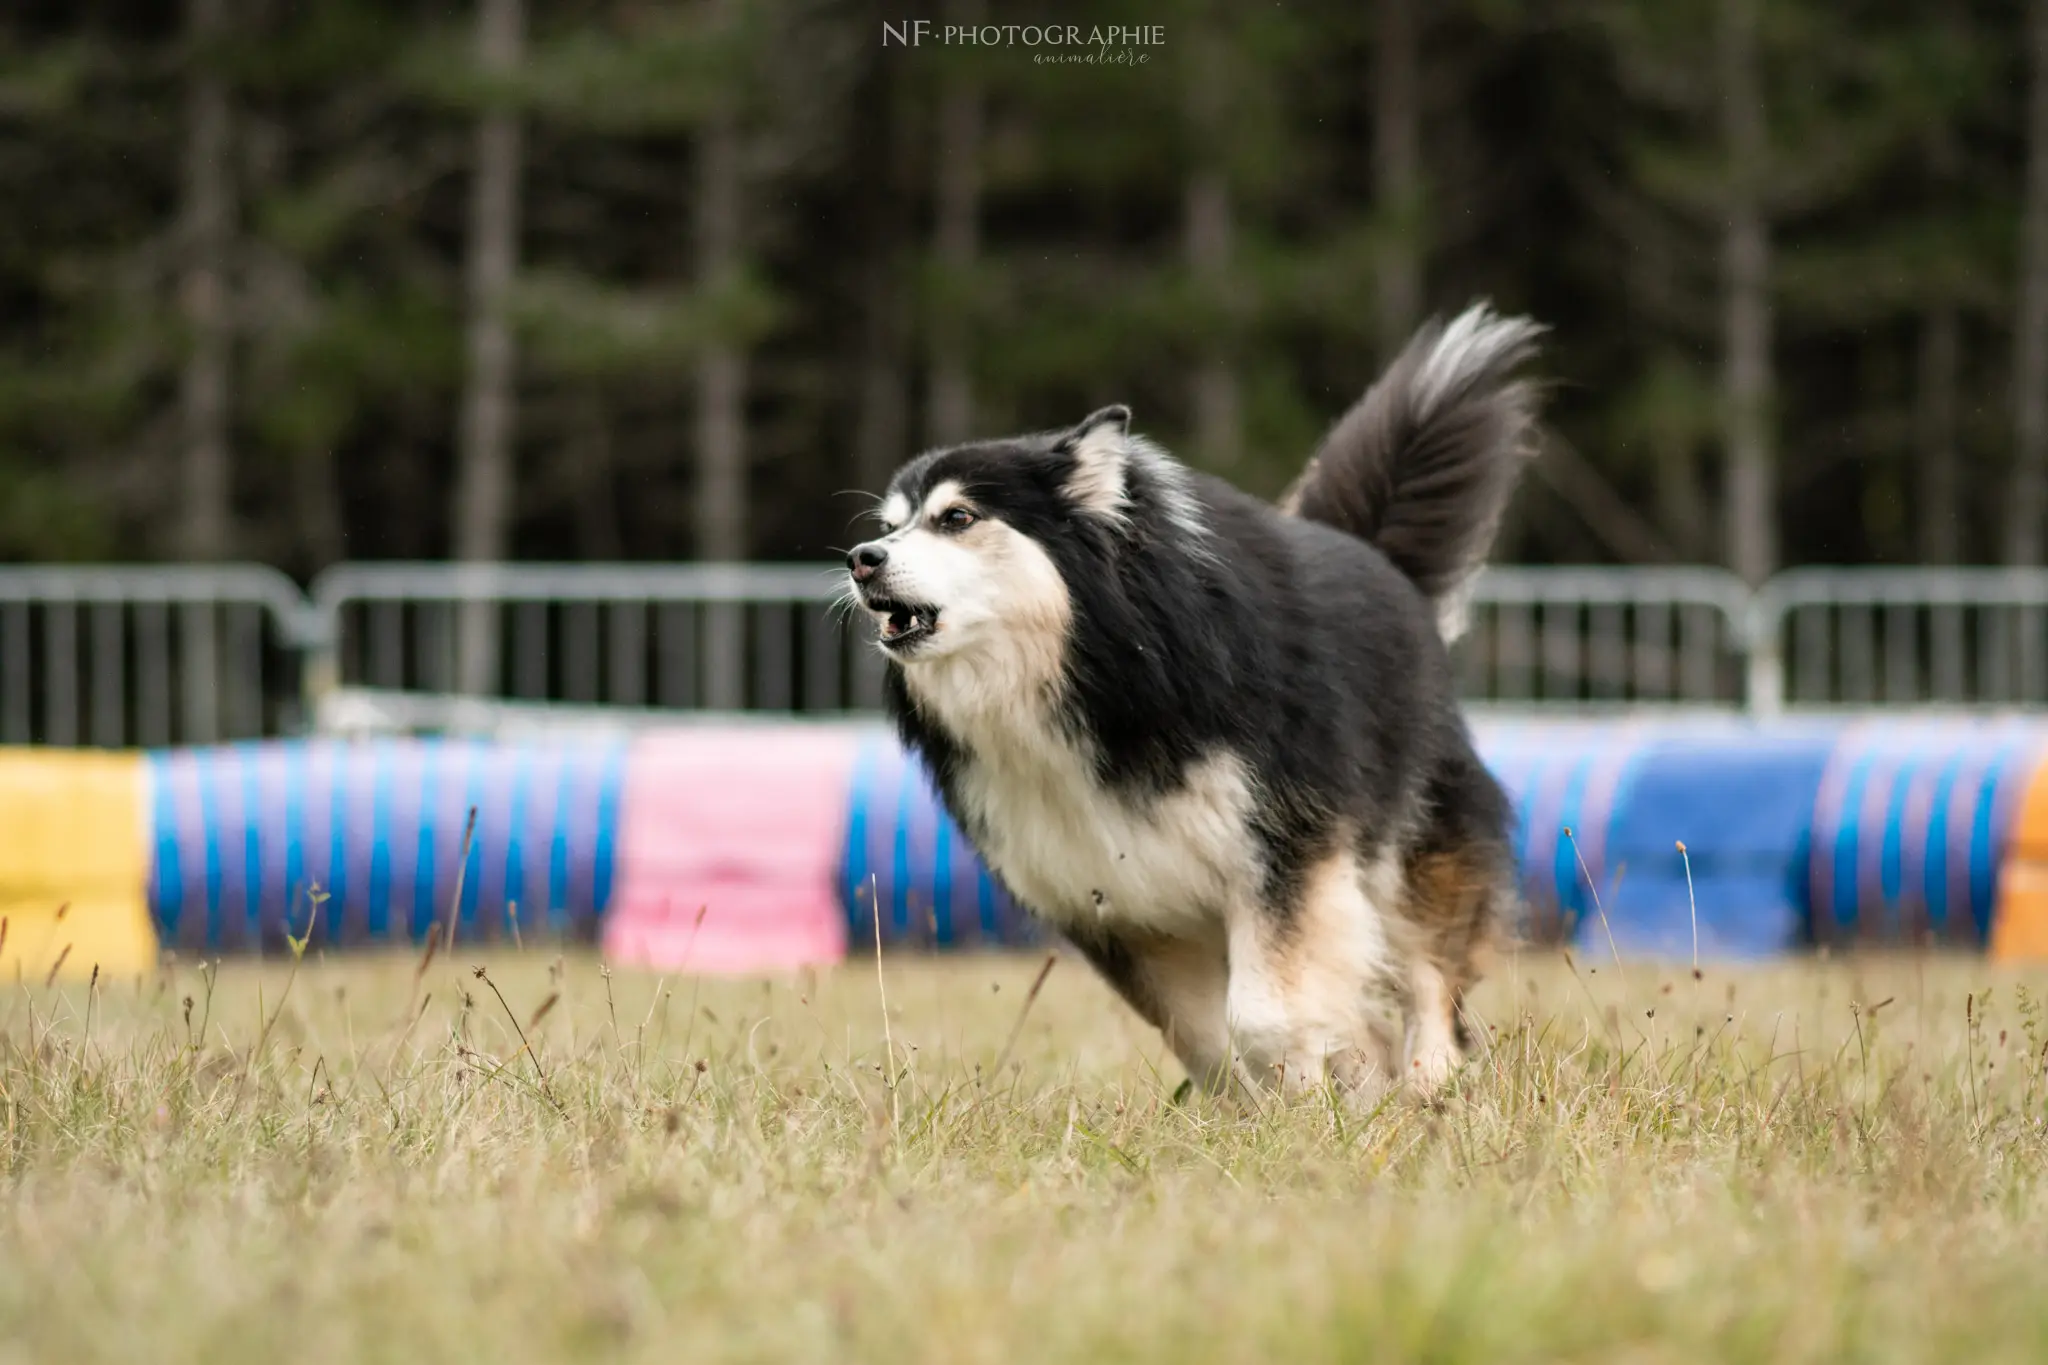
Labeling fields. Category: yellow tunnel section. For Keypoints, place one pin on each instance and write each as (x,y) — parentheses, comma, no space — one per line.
(74,866)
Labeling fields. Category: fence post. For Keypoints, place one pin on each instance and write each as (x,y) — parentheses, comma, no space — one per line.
(316,632)
(477,670)
(1764,669)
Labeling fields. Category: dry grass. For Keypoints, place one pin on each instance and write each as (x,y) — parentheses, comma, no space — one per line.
(1824,1162)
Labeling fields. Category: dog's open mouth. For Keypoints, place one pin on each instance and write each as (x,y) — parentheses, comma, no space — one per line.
(903,623)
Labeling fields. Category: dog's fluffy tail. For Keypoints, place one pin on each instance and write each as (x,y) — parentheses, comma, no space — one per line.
(1422,466)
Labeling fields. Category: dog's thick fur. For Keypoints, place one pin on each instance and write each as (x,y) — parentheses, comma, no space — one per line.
(1216,743)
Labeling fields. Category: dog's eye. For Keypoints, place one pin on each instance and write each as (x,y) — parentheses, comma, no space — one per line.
(956,519)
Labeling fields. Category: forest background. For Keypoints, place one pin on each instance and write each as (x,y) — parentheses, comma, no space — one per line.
(614,279)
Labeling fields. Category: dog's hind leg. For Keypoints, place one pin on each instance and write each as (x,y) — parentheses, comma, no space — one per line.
(1451,911)
(1435,1054)
(1178,985)
(1457,893)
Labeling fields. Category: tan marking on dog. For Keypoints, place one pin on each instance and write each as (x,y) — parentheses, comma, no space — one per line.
(942,496)
(1001,642)
(1313,995)
(1452,901)
(1186,982)
(1003,615)
(1289,502)
(1099,481)
(1451,910)
(1435,1054)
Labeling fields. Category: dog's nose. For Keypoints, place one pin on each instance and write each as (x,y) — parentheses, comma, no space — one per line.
(866,560)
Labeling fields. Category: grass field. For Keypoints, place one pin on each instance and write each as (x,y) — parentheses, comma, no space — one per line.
(1822,1162)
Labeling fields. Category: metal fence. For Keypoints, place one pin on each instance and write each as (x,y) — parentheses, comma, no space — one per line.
(192,654)
(1851,637)
(726,637)
(158,654)
(1579,637)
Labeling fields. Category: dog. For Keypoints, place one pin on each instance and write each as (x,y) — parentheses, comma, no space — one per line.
(1215,742)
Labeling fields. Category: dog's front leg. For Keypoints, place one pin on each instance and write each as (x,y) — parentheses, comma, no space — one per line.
(1179,985)
(1308,1000)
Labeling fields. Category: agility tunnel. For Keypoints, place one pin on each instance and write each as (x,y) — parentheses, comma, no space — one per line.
(906,863)
(1601,812)
(74,864)
(729,848)
(1912,826)
(1796,833)
(344,844)
(2019,928)
(770,845)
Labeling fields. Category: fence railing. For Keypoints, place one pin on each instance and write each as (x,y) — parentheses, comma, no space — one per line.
(149,654)
(1961,637)
(1590,636)
(726,637)
(165,654)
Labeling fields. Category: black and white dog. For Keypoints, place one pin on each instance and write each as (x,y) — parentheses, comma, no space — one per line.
(1213,742)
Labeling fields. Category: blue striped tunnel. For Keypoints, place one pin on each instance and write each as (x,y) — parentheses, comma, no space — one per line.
(362,842)
(905,857)
(1796,831)
(1911,825)
(1829,830)
(1740,797)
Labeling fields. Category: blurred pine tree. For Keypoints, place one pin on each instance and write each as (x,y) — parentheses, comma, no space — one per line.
(762,253)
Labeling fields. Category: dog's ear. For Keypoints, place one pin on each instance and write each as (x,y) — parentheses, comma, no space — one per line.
(1101,457)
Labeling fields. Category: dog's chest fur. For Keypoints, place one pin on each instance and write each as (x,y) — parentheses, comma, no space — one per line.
(1076,850)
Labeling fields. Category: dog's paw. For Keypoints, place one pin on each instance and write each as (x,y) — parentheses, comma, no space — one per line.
(1432,1067)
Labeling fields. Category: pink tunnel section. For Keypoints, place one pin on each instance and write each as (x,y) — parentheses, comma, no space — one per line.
(729,847)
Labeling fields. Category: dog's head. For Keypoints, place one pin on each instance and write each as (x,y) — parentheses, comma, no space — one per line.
(964,558)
